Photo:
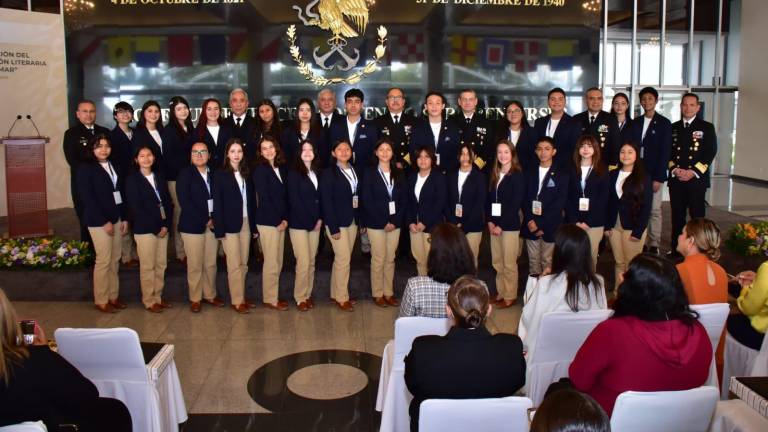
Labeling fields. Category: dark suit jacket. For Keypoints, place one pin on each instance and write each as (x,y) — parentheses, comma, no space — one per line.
(464,364)
(193,199)
(97,193)
(177,151)
(142,138)
(217,148)
(400,135)
(292,139)
(656,147)
(122,150)
(525,147)
(431,205)
(693,148)
(365,141)
(271,198)
(479,131)
(336,199)
(144,206)
(303,201)
(375,199)
(245,131)
(447,143)
(472,200)
(618,135)
(336,117)
(601,129)
(596,191)
(621,207)
(553,196)
(228,204)
(76,146)
(565,137)
(510,194)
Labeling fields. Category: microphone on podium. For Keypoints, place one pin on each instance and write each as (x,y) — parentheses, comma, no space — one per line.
(29,117)
(18,117)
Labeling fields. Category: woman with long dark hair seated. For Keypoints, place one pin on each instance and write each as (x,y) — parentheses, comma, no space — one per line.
(653,342)
(469,362)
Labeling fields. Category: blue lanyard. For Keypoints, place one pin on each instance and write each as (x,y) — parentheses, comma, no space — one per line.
(352,179)
(207,179)
(154,186)
(389,184)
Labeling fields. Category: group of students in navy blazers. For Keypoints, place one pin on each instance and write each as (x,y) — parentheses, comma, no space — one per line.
(242,189)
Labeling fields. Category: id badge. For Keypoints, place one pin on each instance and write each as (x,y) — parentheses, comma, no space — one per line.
(354,201)
(210,206)
(162,211)
(496,209)
(459,210)
(118,197)
(437,156)
(392,208)
(536,208)
(583,204)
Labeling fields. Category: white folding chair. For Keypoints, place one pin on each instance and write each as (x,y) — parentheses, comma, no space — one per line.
(666,411)
(393,396)
(561,334)
(741,360)
(113,361)
(712,316)
(37,426)
(487,415)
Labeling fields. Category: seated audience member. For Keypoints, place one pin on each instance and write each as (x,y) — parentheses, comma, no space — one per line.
(568,410)
(468,362)
(571,286)
(653,342)
(749,326)
(38,384)
(449,257)
(704,281)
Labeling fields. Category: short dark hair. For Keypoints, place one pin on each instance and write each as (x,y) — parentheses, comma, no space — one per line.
(86,101)
(393,170)
(449,254)
(690,94)
(593,89)
(649,90)
(436,93)
(556,90)
(568,410)
(122,105)
(138,150)
(429,151)
(572,256)
(355,92)
(652,291)
(90,157)
(546,139)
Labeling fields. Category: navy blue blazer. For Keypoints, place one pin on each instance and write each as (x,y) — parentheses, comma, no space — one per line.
(656,147)
(291,150)
(176,151)
(472,200)
(142,138)
(375,199)
(510,194)
(447,143)
(217,148)
(525,147)
(565,137)
(228,204)
(553,196)
(122,150)
(617,135)
(366,136)
(193,195)
(271,198)
(144,205)
(336,199)
(621,207)
(245,131)
(303,200)
(431,205)
(596,190)
(97,194)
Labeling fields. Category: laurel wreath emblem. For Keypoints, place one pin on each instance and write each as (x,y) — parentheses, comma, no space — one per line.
(353,78)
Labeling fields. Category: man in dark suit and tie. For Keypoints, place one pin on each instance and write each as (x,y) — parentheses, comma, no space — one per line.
(241,122)
(326,105)
(559,126)
(76,151)
(397,125)
(474,128)
(595,122)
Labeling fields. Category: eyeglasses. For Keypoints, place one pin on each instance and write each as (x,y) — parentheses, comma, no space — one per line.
(199,153)
(395,98)
(514,111)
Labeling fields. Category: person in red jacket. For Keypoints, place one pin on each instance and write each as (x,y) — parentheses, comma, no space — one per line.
(653,342)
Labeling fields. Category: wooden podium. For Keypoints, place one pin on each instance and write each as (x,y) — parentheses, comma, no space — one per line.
(25,186)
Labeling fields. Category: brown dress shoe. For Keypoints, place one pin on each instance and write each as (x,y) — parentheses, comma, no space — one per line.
(250,303)
(165,305)
(303,306)
(195,307)
(280,306)
(310,303)
(241,308)
(155,308)
(215,302)
(379,301)
(106,308)
(132,263)
(503,304)
(346,306)
(391,301)
(117,304)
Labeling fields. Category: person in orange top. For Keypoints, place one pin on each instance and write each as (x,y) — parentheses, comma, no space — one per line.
(704,280)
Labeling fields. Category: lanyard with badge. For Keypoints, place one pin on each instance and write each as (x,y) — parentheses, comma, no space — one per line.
(536,207)
(496,206)
(460,208)
(207,177)
(437,141)
(113,176)
(584,201)
(159,199)
(390,188)
(353,183)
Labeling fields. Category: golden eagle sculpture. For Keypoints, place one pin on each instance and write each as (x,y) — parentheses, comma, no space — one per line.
(332,14)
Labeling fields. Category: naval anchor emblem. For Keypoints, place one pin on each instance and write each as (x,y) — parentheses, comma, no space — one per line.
(330,16)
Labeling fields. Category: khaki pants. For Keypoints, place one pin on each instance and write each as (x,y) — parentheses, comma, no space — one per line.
(106,284)
(474,240)
(236,246)
(342,250)
(539,255)
(624,249)
(504,251)
(153,259)
(654,223)
(304,249)
(201,265)
(383,250)
(127,247)
(273,247)
(178,243)
(420,250)
(595,236)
